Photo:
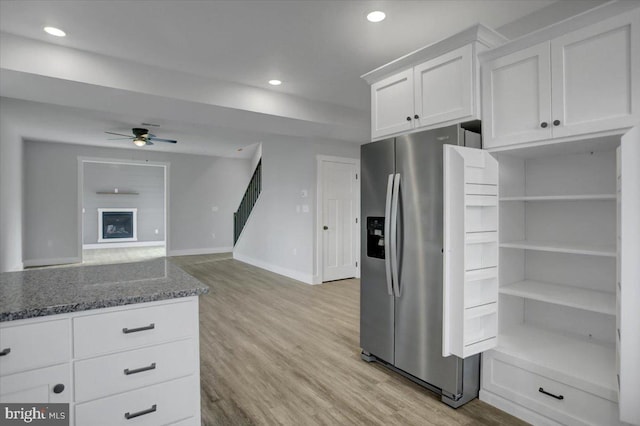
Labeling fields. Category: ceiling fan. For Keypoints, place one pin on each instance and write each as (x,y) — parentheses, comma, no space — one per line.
(141,137)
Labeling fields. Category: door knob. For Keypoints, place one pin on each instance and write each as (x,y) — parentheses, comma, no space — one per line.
(325,227)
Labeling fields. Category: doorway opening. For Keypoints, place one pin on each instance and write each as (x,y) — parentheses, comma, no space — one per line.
(123,210)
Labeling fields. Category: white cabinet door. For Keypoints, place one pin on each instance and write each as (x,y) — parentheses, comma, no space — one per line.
(516,97)
(444,88)
(629,276)
(392,104)
(37,386)
(595,77)
(470,294)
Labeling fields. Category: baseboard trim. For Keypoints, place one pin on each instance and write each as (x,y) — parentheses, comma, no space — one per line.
(289,273)
(516,410)
(190,252)
(123,245)
(51,262)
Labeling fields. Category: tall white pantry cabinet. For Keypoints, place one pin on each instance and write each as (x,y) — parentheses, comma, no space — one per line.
(542,229)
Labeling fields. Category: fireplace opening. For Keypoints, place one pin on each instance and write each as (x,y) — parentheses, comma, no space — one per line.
(117,225)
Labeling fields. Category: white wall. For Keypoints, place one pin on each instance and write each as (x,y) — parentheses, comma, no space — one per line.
(277,237)
(203,194)
(10,197)
(146,181)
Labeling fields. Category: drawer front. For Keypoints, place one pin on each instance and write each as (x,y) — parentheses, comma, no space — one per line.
(126,329)
(156,405)
(570,406)
(30,346)
(124,371)
(37,386)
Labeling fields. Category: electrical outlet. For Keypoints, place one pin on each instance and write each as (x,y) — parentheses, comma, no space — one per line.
(305,208)
(213,236)
(214,208)
(295,251)
(157,231)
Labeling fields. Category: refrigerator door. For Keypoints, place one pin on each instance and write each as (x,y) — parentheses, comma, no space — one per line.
(376,297)
(418,308)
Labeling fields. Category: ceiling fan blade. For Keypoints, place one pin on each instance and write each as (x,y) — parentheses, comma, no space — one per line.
(118,139)
(119,134)
(161,140)
(149,142)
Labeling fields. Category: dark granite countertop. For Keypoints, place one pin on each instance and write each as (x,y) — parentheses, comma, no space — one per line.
(41,292)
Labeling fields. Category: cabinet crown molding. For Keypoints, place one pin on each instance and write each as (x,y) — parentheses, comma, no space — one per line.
(477,33)
(589,17)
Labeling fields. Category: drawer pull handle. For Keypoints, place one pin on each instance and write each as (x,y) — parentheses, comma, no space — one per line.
(560,397)
(140,370)
(135,330)
(5,351)
(130,416)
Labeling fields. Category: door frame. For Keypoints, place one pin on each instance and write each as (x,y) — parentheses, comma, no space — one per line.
(318,276)
(81,162)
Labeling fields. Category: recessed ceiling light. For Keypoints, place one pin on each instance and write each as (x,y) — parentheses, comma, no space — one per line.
(55,31)
(275,82)
(376,16)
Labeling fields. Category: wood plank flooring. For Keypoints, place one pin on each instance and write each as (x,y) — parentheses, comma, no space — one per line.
(277,351)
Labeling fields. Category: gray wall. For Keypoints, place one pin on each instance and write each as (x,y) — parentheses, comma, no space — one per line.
(278,237)
(147,181)
(10,197)
(203,194)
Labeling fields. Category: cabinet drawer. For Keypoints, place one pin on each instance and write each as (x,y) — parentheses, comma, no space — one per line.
(37,386)
(570,405)
(34,345)
(121,330)
(155,405)
(124,371)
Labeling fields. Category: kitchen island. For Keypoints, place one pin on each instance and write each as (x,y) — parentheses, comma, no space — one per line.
(116,342)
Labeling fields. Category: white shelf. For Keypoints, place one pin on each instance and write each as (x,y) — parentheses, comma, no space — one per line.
(561,197)
(575,297)
(579,362)
(572,248)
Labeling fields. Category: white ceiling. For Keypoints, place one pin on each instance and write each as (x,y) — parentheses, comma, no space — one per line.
(317,48)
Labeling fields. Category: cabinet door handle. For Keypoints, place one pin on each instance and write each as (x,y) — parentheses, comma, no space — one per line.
(416,116)
(408,118)
(556,122)
(5,351)
(135,330)
(544,124)
(59,388)
(560,397)
(129,416)
(140,370)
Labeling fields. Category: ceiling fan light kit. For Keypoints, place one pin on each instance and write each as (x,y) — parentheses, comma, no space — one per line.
(142,137)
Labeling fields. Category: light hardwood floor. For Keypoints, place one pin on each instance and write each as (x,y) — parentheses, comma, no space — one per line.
(277,351)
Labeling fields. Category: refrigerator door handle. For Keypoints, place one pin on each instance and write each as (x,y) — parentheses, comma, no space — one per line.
(387,235)
(394,235)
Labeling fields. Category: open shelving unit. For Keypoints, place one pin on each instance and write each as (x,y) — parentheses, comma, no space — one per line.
(562,247)
(560,197)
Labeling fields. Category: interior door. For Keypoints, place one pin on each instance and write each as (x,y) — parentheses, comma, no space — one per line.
(377,161)
(339,205)
(470,299)
(628,300)
(516,97)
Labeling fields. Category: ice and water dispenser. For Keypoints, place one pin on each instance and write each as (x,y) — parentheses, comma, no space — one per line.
(375,237)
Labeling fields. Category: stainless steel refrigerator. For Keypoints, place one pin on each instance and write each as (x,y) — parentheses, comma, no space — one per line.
(401,274)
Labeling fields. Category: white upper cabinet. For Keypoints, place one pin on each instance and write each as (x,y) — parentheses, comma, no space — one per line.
(432,87)
(392,104)
(582,82)
(595,77)
(443,88)
(517,97)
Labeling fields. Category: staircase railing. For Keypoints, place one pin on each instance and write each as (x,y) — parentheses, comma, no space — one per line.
(249,199)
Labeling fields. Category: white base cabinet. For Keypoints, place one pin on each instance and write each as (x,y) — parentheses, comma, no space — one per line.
(566,340)
(135,364)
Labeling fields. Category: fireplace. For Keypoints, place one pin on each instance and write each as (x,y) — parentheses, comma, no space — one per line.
(117,224)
